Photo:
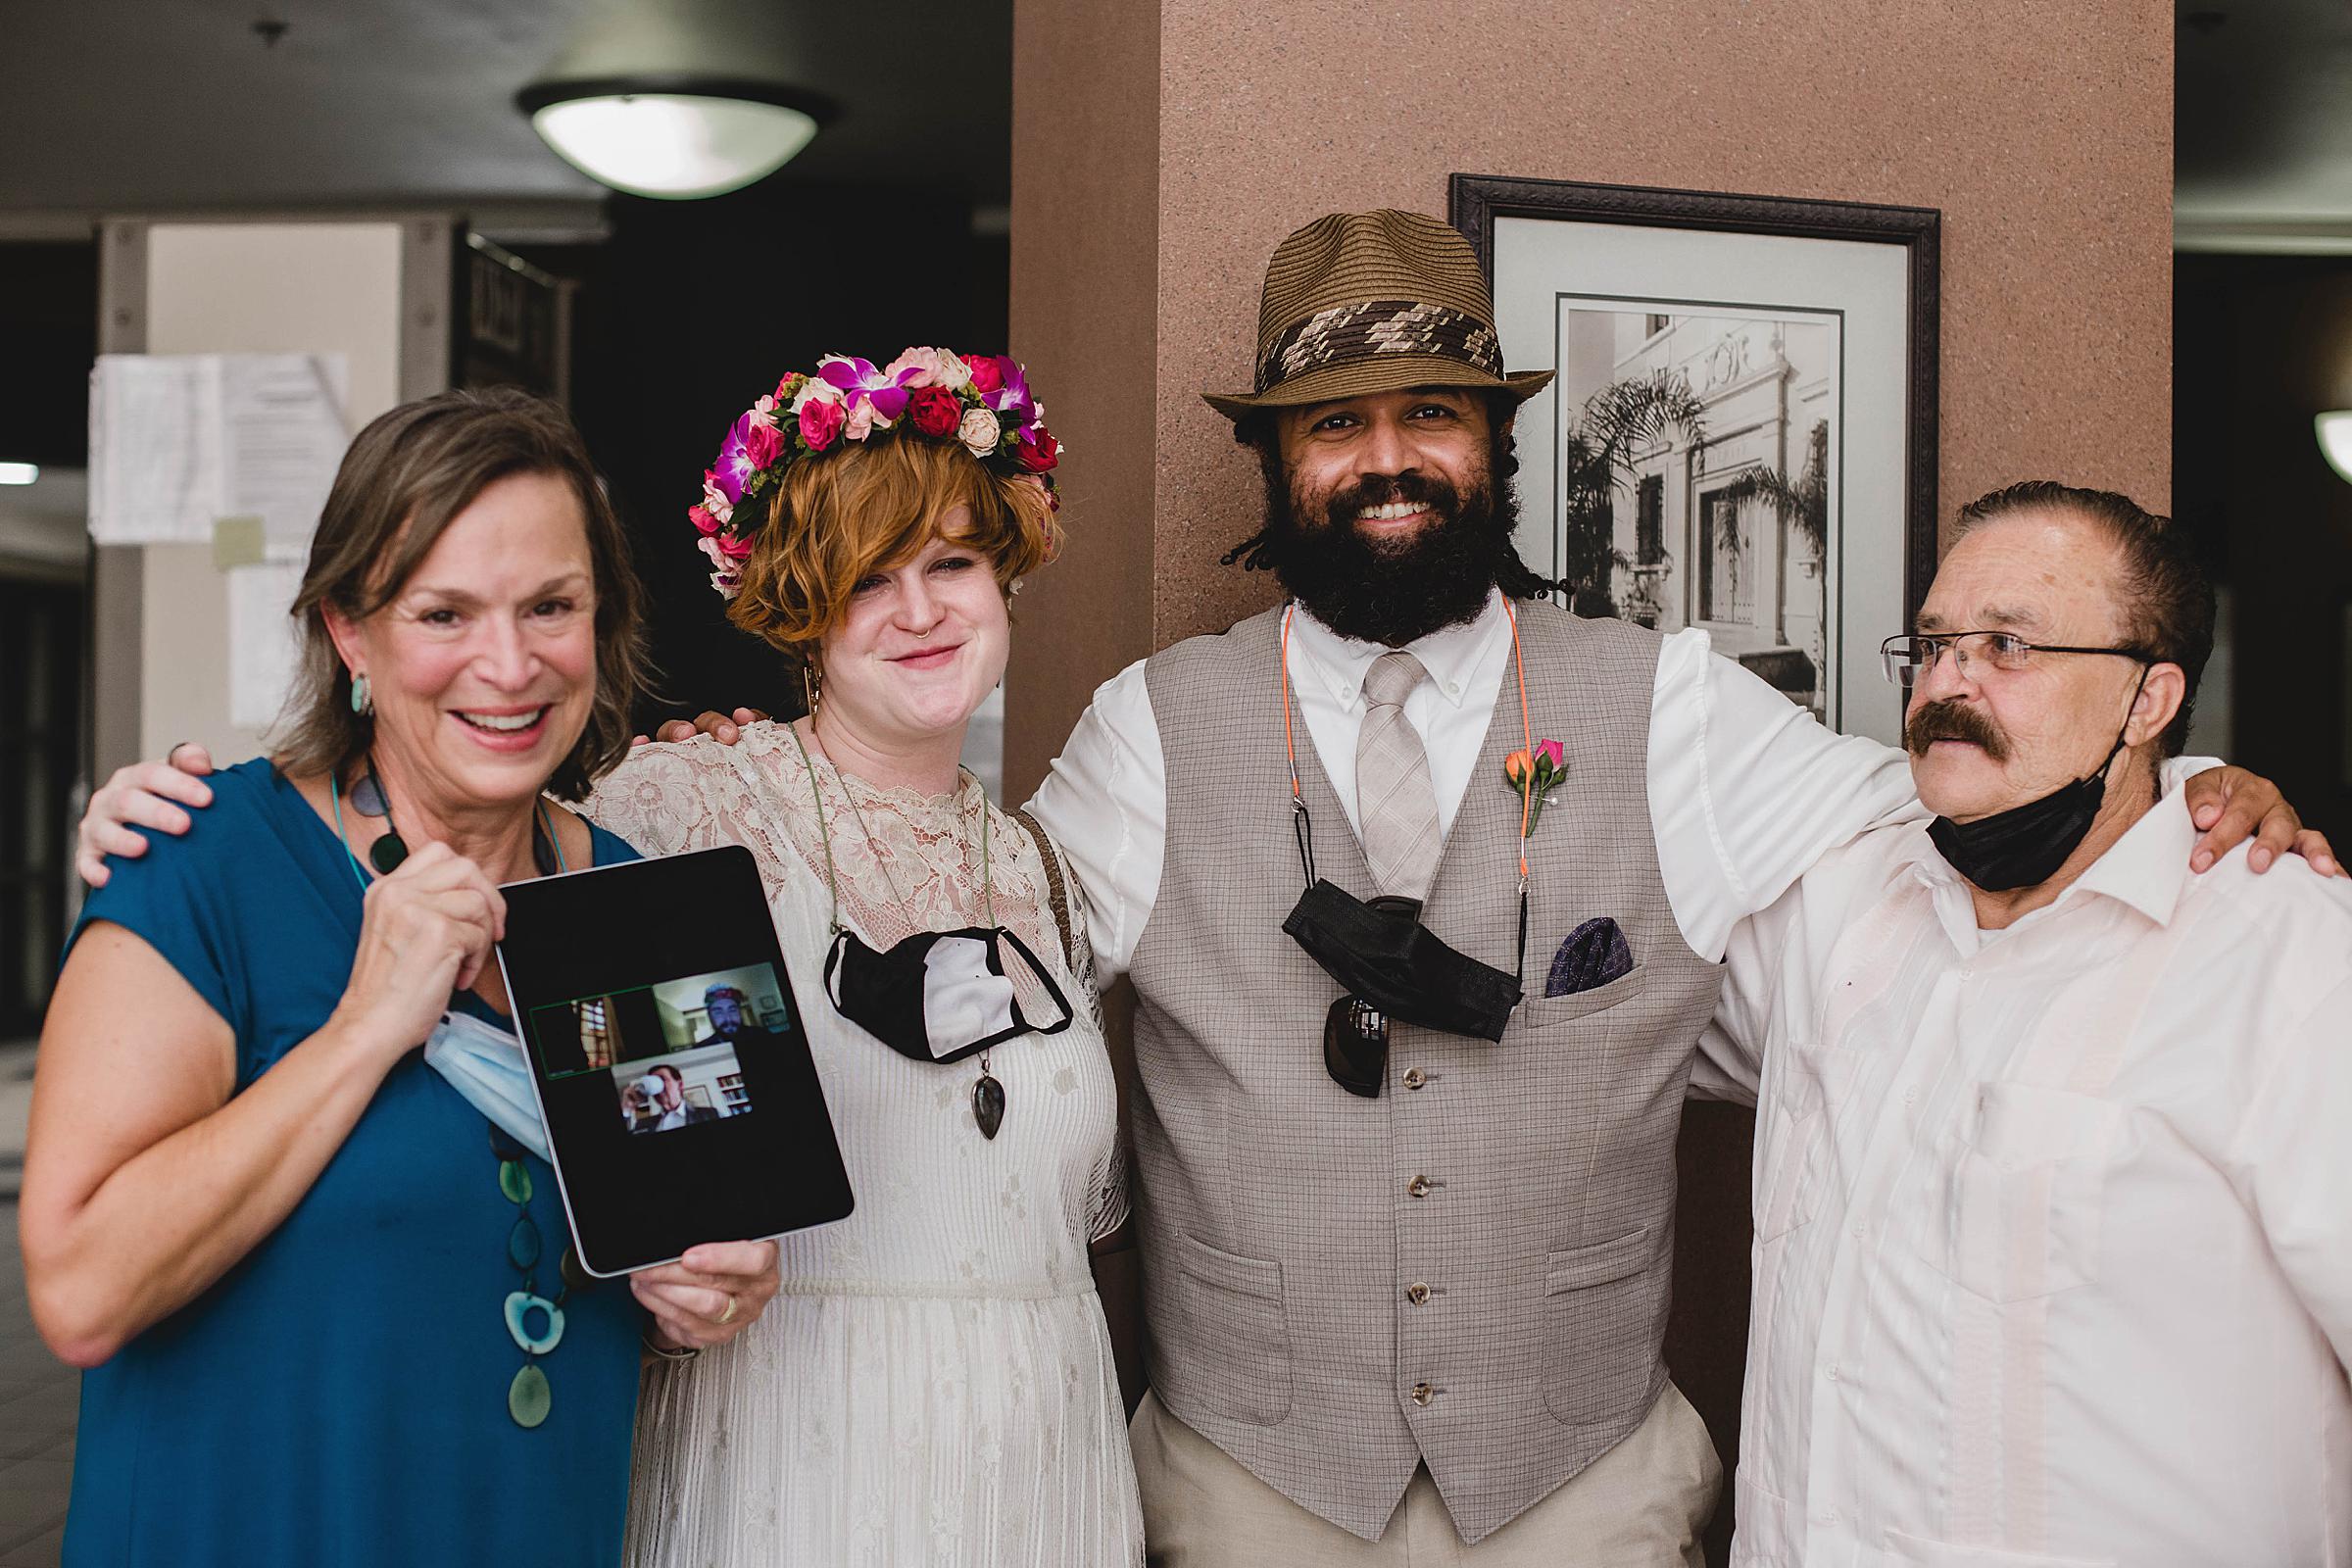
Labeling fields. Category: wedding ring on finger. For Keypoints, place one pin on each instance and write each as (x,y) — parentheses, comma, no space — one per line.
(728,1317)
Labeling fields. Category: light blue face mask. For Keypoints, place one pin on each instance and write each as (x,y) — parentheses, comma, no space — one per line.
(485,1063)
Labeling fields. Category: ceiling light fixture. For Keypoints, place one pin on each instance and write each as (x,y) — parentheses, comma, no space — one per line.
(2336,439)
(674,134)
(20,472)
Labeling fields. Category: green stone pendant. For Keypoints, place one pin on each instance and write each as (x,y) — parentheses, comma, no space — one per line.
(528,1397)
(523,1244)
(514,1180)
(521,1304)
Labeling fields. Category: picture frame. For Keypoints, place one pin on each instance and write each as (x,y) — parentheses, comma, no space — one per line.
(1742,431)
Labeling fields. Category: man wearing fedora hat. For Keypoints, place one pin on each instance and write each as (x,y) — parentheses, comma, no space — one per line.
(1407,1236)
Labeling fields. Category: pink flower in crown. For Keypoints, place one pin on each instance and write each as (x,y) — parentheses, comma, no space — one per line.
(702,519)
(820,421)
(987,372)
(861,420)
(714,501)
(862,386)
(728,582)
(732,546)
(710,545)
(764,442)
(929,368)
(764,413)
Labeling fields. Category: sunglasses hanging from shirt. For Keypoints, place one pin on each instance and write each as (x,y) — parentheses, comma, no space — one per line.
(936,996)
(1391,966)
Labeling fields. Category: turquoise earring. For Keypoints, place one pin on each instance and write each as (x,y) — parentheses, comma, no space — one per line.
(363,701)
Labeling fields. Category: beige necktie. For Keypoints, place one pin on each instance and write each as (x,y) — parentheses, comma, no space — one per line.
(1396,809)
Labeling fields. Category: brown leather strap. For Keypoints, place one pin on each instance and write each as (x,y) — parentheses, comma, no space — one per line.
(1055,893)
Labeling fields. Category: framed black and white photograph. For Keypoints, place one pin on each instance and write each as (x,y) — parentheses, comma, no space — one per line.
(1742,432)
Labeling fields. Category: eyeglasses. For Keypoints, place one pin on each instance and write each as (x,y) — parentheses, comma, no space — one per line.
(1906,656)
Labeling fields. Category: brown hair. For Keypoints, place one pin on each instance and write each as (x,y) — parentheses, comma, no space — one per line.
(402,482)
(872,503)
(2169,610)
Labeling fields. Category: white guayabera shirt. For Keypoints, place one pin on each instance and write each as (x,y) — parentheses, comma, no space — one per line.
(2053,1258)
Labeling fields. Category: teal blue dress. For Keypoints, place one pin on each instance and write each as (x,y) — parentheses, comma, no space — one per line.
(339,1396)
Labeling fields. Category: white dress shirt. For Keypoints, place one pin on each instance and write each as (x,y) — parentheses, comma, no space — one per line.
(2053,1258)
(1745,789)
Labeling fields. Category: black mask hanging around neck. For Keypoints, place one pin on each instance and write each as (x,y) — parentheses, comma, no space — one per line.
(937,996)
(1387,959)
(2025,845)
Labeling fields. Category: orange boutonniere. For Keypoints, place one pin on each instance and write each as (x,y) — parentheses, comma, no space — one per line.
(1530,775)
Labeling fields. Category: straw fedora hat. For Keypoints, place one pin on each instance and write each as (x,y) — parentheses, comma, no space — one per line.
(1356,303)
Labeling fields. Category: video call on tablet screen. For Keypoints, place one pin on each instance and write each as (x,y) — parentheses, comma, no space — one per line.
(680,1097)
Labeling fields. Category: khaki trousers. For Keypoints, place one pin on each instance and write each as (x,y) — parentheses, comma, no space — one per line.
(1641,1503)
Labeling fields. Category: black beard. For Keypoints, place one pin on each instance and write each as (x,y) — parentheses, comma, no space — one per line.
(1389,592)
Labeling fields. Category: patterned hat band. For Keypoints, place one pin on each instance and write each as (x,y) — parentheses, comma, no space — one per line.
(1373,327)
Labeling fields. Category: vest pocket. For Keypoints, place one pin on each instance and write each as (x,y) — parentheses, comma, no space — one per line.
(2023,1185)
(1229,1309)
(1598,1302)
(1539,1012)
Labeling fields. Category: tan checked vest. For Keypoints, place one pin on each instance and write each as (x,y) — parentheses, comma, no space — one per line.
(1472,1270)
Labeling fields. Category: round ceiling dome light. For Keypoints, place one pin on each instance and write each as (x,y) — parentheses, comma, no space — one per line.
(674,136)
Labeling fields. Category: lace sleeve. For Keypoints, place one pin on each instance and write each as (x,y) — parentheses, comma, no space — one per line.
(672,796)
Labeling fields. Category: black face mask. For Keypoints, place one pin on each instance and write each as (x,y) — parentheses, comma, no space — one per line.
(2025,845)
(938,995)
(1384,956)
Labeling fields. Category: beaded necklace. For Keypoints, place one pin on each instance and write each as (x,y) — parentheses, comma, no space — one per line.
(533,1321)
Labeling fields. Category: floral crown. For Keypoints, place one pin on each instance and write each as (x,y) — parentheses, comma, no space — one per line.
(980,400)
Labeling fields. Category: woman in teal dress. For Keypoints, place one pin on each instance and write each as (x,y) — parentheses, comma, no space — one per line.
(327,1307)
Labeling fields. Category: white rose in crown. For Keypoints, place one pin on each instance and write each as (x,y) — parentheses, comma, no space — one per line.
(979,432)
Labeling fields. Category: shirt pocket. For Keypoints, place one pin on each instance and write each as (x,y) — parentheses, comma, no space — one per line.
(2023,1188)
(1231,1313)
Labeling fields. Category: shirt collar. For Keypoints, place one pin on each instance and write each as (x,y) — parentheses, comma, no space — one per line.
(1451,654)
(2145,869)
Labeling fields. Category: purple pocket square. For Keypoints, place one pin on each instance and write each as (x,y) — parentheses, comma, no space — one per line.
(1593,955)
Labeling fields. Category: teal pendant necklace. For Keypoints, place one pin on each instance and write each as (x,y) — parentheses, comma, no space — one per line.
(534,1322)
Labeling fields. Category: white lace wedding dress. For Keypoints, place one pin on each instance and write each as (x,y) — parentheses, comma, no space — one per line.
(934,1382)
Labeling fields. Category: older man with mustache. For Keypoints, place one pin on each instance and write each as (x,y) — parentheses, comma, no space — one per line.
(2053,1260)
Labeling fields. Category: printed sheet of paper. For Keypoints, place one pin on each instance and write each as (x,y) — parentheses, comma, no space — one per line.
(180,441)
(261,648)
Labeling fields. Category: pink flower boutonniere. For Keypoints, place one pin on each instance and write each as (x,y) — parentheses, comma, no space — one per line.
(1531,776)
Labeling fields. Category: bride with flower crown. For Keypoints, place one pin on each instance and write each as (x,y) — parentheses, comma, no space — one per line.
(934,1382)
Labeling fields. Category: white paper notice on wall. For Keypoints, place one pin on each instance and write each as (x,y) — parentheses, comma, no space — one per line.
(262,647)
(178,441)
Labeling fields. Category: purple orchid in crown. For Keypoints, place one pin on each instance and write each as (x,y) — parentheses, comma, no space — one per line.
(1011,396)
(752,444)
(860,383)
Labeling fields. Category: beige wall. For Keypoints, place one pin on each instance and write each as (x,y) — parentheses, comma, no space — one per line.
(1162,148)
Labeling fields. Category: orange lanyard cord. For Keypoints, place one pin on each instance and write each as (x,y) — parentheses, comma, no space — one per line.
(1527,796)
(1287,745)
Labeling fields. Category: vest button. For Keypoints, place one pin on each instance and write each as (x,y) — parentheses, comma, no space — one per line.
(1423,1393)
(1414,1077)
(1416,1292)
(1418,1187)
